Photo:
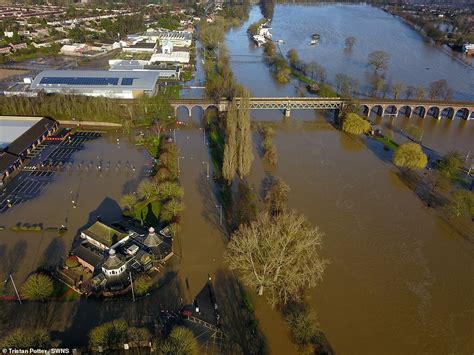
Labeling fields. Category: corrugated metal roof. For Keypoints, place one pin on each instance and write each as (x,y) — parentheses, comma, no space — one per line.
(95,79)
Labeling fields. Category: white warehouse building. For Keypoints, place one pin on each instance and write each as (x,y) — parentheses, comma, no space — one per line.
(126,84)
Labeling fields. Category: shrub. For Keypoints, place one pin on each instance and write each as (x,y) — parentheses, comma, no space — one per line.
(142,285)
(410,156)
(37,287)
(354,124)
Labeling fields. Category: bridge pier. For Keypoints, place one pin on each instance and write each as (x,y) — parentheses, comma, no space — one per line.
(287,112)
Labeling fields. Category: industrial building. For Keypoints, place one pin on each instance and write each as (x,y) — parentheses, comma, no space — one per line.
(165,73)
(178,38)
(19,135)
(125,84)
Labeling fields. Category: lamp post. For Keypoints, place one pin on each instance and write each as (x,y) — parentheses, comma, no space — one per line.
(131,282)
(219,207)
(179,170)
(16,290)
(203,136)
(207,170)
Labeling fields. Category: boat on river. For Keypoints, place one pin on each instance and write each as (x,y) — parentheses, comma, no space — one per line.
(315,39)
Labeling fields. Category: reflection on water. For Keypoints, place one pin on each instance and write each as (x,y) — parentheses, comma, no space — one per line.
(412,61)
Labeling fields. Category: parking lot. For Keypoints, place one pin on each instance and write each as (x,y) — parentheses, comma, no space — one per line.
(47,159)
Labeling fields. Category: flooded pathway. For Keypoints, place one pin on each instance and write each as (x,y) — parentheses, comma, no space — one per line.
(201,241)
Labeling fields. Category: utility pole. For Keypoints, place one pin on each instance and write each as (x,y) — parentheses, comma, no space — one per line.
(219,207)
(179,170)
(207,166)
(131,282)
(16,290)
(203,135)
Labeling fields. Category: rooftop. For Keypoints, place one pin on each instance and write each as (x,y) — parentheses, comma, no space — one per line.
(95,79)
(12,127)
(24,141)
(105,234)
(143,45)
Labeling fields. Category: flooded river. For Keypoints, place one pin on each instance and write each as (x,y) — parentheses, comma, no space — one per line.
(400,279)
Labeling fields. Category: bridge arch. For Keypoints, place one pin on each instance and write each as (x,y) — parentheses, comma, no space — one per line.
(188,109)
(365,109)
(463,113)
(447,112)
(405,110)
(434,112)
(377,109)
(420,111)
(391,110)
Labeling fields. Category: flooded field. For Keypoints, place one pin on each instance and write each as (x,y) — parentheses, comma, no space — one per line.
(94,194)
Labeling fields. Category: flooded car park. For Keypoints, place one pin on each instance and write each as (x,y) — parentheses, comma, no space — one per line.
(71,189)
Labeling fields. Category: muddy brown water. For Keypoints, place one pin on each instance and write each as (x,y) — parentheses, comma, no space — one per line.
(95,195)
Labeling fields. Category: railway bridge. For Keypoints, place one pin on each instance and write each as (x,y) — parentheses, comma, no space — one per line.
(382,107)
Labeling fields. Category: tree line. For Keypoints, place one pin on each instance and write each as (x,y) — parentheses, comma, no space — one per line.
(111,337)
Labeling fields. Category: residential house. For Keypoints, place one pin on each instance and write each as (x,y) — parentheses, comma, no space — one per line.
(17,47)
(5,50)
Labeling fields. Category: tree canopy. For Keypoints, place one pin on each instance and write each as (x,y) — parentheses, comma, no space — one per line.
(181,341)
(115,333)
(22,338)
(450,164)
(238,153)
(410,156)
(349,42)
(462,203)
(354,124)
(37,287)
(379,60)
(278,255)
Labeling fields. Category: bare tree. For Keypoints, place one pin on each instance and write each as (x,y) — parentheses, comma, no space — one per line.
(397,90)
(410,92)
(386,89)
(439,89)
(278,255)
(317,72)
(350,41)
(378,84)
(420,93)
(345,85)
(379,60)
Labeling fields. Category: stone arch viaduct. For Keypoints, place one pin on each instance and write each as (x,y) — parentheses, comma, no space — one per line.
(422,108)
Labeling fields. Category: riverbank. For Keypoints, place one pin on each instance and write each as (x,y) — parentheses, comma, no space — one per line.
(450,52)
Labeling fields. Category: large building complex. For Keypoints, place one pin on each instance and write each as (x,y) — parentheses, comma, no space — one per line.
(18,136)
(113,84)
(178,38)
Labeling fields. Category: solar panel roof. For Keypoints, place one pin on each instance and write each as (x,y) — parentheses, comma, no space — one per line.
(95,79)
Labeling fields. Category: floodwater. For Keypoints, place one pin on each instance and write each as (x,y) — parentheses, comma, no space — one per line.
(374,30)
(400,278)
(412,61)
(22,253)
(201,241)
